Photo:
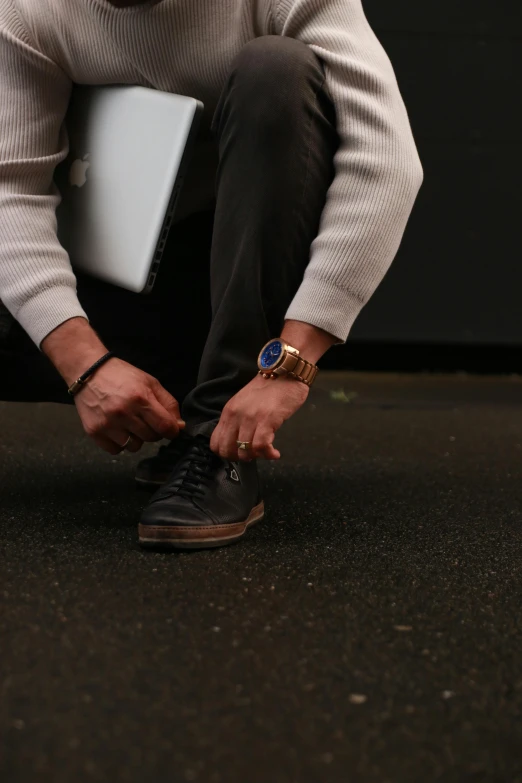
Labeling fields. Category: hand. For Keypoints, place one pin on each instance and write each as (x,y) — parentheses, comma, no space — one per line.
(255,414)
(120,400)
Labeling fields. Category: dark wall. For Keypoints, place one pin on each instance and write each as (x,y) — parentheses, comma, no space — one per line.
(458,275)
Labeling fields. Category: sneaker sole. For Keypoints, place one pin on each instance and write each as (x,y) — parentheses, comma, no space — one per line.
(198,537)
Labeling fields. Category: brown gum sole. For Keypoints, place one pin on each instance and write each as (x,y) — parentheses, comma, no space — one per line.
(198,537)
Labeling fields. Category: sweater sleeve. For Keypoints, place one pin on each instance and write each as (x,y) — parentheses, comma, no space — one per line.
(378,172)
(37,284)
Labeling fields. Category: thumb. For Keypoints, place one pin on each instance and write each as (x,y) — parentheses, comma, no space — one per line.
(169,402)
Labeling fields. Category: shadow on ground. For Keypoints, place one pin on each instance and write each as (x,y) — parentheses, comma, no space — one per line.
(369,630)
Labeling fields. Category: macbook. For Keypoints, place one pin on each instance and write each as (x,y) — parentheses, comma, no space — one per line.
(129,152)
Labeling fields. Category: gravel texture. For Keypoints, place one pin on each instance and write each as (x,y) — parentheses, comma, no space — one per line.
(369,630)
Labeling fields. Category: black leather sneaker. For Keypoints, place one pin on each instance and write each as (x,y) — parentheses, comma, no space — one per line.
(206,502)
(153,472)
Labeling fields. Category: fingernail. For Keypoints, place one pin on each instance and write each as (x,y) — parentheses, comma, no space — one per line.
(181,422)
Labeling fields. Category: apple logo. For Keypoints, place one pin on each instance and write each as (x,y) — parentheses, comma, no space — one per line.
(78,172)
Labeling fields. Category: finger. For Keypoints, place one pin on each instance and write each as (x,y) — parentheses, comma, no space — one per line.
(215,438)
(139,427)
(262,445)
(169,402)
(221,434)
(246,434)
(134,445)
(161,421)
(107,444)
(120,438)
(228,439)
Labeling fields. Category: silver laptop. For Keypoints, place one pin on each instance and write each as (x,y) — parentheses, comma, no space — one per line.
(129,152)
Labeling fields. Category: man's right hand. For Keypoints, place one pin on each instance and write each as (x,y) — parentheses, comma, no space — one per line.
(119,399)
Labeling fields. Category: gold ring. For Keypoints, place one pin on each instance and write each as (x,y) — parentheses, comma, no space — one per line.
(243,445)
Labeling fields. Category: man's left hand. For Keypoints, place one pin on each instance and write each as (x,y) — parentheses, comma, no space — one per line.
(254,415)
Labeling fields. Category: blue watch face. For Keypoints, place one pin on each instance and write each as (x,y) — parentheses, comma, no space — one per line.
(271,354)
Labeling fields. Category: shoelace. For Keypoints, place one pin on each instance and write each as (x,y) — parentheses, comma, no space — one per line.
(196,468)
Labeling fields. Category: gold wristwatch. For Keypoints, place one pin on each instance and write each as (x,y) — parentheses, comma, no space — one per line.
(279,358)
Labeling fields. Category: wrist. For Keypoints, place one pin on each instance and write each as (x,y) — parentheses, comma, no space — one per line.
(310,341)
(72,348)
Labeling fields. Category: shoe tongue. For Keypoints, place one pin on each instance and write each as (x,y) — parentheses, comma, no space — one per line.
(200,443)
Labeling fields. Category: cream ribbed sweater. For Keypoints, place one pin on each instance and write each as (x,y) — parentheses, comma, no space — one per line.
(185,47)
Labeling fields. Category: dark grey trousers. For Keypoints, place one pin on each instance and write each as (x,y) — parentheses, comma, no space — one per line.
(234,269)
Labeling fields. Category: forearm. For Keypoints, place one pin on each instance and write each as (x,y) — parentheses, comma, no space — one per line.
(378,171)
(72,348)
(310,341)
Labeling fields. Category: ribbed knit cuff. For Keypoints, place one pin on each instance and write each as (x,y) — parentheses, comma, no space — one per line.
(48,309)
(325,305)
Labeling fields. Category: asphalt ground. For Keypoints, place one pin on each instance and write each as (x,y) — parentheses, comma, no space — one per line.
(369,630)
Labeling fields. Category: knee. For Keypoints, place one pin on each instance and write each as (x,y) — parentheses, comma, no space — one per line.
(274,65)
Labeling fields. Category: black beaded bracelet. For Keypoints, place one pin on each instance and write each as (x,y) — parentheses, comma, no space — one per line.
(77,385)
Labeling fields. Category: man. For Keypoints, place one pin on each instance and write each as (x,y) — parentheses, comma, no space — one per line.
(304,204)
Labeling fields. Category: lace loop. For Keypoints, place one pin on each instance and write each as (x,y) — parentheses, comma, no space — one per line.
(195,469)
